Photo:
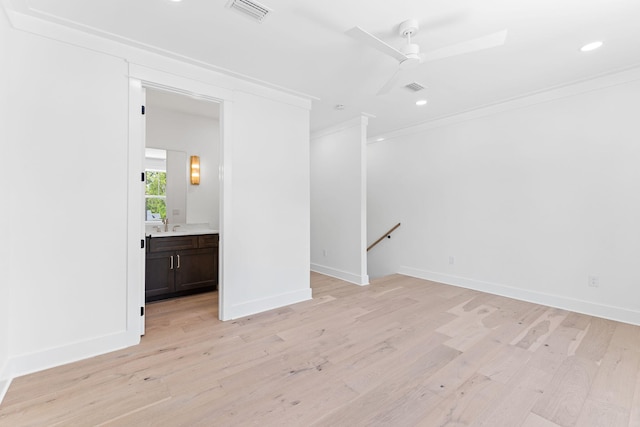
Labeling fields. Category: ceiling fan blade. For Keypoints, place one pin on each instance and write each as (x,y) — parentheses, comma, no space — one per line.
(468,46)
(390,83)
(374,42)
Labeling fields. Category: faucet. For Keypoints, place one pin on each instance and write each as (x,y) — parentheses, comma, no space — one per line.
(165,221)
(175,226)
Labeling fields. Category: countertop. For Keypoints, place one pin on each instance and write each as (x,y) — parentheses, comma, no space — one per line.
(181,230)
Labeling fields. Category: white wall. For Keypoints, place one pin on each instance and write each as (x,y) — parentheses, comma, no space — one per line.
(197,136)
(267,219)
(76,263)
(338,201)
(6,174)
(68,278)
(529,202)
(176,190)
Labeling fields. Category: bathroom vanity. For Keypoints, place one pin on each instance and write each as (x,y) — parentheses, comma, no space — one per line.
(180,263)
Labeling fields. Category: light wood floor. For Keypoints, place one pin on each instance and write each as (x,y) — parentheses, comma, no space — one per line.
(400,352)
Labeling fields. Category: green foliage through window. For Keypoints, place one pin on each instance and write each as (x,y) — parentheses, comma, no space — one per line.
(156,195)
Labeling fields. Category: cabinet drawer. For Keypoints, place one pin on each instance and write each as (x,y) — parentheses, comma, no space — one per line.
(208,241)
(162,244)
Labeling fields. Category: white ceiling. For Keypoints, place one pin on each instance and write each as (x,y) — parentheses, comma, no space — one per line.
(302,46)
(182,103)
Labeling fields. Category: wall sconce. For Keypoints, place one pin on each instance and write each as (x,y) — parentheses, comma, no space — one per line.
(195,170)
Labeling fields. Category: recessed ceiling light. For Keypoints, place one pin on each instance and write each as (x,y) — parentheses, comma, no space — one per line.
(591,46)
(421,102)
(379,139)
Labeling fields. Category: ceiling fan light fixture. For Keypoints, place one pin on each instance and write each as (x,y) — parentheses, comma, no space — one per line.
(591,46)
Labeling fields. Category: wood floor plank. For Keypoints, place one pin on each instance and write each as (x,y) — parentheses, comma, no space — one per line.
(602,414)
(622,359)
(522,390)
(468,329)
(507,362)
(634,415)
(465,404)
(544,326)
(376,400)
(564,398)
(534,420)
(427,356)
(596,341)
(399,352)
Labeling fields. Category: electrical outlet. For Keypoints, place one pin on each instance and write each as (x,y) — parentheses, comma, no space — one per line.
(593,281)
(452,260)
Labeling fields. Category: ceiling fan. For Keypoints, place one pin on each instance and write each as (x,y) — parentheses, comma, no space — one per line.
(409,56)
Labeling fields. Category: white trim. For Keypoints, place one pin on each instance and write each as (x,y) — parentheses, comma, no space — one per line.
(150,77)
(361,280)
(225,222)
(163,80)
(68,353)
(25,18)
(364,259)
(4,387)
(355,122)
(533,98)
(275,95)
(135,227)
(261,305)
(5,381)
(619,314)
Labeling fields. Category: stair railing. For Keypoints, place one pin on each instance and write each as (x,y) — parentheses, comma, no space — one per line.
(387,235)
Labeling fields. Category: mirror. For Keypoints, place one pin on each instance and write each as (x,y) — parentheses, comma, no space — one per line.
(166,186)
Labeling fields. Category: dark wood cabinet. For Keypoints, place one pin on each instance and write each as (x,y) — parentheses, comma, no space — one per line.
(180,265)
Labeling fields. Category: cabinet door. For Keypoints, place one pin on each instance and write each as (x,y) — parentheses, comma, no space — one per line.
(159,274)
(197,269)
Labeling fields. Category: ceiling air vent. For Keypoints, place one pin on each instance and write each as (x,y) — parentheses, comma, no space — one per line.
(251,9)
(416,87)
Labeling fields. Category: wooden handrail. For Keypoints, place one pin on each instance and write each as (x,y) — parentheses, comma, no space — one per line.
(387,234)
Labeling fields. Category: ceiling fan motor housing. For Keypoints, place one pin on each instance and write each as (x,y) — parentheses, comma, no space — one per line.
(412,52)
(409,28)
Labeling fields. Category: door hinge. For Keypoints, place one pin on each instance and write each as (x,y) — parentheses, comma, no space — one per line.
(142,177)
(141,243)
(143,110)
(141,311)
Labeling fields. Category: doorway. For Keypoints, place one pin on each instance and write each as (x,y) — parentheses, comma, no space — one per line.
(179,128)
(189,124)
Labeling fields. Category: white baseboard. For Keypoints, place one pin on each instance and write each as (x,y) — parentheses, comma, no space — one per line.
(339,274)
(4,387)
(580,306)
(264,304)
(33,362)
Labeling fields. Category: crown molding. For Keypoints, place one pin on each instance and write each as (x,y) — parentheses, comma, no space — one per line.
(615,78)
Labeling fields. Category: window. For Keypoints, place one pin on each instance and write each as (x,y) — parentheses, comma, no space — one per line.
(155,195)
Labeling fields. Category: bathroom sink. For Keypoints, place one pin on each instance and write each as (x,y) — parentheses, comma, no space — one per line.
(183,230)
